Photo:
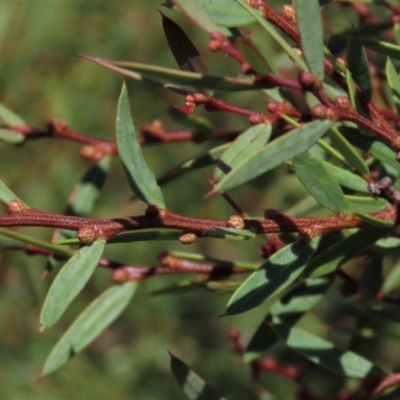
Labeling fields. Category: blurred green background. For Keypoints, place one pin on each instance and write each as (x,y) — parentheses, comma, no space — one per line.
(43,77)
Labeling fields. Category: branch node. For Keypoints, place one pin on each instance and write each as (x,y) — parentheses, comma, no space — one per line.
(16,207)
(235,222)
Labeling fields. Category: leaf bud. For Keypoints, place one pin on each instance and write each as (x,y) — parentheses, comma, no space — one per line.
(320,111)
(235,222)
(289,12)
(86,235)
(342,102)
(187,238)
(15,207)
(309,81)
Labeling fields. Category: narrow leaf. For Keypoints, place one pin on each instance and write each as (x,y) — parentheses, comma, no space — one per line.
(348,151)
(9,117)
(364,204)
(182,48)
(347,179)
(6,195)
(311,34)
(90,323)
(276,274)
(230,234)
(318,181)
(192,384)
(242,147)
(394,83)
(392,280)
(380,223)
(382,47)
(274,153)
(141,179)
(359,67)
(323,352)
(11,137)
(343,251)
(69,282)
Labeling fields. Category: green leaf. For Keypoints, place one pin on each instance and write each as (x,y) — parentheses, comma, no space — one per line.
(311,34)
(141,179)
(380,223)
(348,151)
(394,83)
(226,12)
(276,274)
(382,47)
(343,251)
(230,234)
(274,153)
(347,179)
(164,76)
(192,384)
(195,13)
(182,48)
(363,204)
(90,323)
(358,65)
(242,147)
(11,137)
(9,117)
(323,352)
(318,181)
(6,195)
(381,151)
(69,282)
(274,33)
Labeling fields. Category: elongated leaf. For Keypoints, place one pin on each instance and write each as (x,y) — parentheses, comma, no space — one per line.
(311,34)
(380,223)
(9,117)
(381,151)
(359,67)
(192,384)
(11,137)
(363,204)
(394,83)
(175,76)
(244,146)
(318,181)
(341,252)
(325,353)
(226,12)
(274,153)
(6,195)
(347,179)
(182,48)
(69,282)
(90,323)
(382,47)
(348,151)
(195,13)
(276,274)
(141,179)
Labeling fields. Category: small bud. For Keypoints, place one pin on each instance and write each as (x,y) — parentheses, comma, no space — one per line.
(298,51)
(309,81)
(15,207)
(86,235)
(332,115)
(120,275)
(342,62)
(320,112)
(273,106)
(342,102)
(187,238)
(289,12)
(235,222)
(260,6)
(234,334)
(87,152)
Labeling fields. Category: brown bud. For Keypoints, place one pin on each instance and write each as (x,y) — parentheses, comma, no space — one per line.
(86,235)
(235,222)
(320,112)
(15,207)
(87,152)
(332,115)
(187,238)
(260,6)
(342,102)
(289,12)
(120,275)
(152,210)
(309,81)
